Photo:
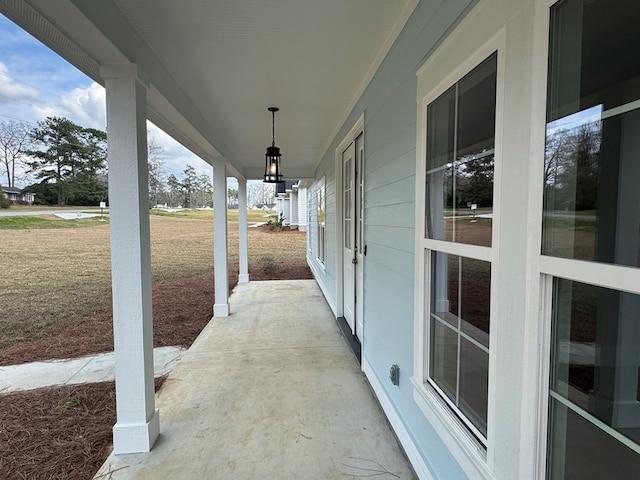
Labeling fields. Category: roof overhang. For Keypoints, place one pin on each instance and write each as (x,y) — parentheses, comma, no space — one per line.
(215,66)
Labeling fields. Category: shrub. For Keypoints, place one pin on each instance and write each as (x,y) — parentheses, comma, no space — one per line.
(4,201)
(276,222)
(269,264)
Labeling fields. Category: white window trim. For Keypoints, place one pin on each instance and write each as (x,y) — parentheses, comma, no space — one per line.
(616,277)
(322,263)
(467,449)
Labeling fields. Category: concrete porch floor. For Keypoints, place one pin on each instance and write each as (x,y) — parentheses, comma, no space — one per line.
(270,392)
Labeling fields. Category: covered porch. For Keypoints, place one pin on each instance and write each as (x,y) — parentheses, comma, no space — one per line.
(271,391)
(206,73)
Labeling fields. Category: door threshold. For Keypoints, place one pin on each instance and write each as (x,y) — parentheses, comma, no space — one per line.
(351,339)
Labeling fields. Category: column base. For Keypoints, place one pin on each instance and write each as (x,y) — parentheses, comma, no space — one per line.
(136,437)
(243,278)
(221,310)
(618,414)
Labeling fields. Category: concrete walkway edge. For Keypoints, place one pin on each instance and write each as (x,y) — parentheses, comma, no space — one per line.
(89,369)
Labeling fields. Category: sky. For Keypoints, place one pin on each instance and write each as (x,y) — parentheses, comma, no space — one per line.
(36,83)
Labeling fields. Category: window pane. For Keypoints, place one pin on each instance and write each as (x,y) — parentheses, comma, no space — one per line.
(459,362)
(595,366)
(474,381)
(441,124)
(477,112)
(583,451)
(475,299)
(444,358)
(320,220)
(440,150)
(445,286)
(591,198)
(460,159)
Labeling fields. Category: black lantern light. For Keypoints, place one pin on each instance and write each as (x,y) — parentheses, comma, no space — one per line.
(272,169)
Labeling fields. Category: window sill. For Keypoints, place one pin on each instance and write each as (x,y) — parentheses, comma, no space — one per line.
(466,449)
(322,266)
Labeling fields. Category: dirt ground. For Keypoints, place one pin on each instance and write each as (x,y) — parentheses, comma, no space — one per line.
(65,432)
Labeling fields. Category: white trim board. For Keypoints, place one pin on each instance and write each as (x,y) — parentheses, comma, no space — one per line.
(314,271)
(410,449)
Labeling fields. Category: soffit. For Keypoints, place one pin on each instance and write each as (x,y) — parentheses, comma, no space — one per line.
(215,66)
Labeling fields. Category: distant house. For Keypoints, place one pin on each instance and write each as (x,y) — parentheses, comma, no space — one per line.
(291,202)
(17,196)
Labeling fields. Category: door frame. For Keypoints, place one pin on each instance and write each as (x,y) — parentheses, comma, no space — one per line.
(356,130)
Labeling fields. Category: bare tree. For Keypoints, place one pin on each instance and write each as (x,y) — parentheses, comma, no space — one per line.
(259,193)
(14,140)
(157,185)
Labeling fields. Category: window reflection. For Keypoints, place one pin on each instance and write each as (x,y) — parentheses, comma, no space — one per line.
(595,368)
(592,172)
(584,451)
(460,159)
(459,363)
(592,213)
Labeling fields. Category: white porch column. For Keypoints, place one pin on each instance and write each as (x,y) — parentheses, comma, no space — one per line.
(220,239)
(137,424)
(243,234)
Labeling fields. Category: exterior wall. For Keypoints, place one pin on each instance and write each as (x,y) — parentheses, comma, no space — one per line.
(293,208)
(324,273)
(511,450)
(302,209)
(428,57)
(389,107)
(286,211)
(312,227)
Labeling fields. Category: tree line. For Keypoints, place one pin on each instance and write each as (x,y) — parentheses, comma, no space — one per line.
(69,165)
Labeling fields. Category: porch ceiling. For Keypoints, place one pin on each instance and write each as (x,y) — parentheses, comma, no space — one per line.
(216,65)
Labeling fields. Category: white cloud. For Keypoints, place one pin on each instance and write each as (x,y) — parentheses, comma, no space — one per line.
(84,106)
(12,91)
(174,155)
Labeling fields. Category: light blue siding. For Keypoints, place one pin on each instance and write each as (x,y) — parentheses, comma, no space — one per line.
(389,107)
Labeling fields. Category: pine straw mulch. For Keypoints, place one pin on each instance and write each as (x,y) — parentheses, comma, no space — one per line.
(57,433)
(65,432)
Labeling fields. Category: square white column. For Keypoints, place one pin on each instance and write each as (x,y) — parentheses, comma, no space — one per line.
(220,239)
(243,234)
(137,424)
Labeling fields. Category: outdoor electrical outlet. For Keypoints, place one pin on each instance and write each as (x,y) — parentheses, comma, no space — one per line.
(394,374)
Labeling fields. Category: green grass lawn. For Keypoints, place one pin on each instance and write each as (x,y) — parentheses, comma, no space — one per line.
(31,222)
(35,222)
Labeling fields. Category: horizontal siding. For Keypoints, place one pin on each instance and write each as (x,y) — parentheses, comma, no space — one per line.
(395,192)
(398,215)
(389,263)
(390,172)
(389,108)
(400,237)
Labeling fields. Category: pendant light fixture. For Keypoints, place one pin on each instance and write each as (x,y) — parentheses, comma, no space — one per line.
(272,169)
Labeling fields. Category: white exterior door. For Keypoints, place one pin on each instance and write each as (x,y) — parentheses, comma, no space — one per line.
(352,238)
(359,235)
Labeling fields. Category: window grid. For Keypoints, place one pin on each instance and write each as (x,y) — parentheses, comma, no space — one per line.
(443,139)
(320,221)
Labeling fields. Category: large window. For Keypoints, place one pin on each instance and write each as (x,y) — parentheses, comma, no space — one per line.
(592,168)
(321,221)
(459,208)
(592,213)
